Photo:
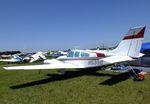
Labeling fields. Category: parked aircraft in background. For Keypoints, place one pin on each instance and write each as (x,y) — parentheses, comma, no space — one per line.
(57,54)
(39,56)
(63,53)
(127,50)
(13,58)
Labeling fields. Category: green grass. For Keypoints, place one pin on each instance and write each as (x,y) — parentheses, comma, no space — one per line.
(77,87)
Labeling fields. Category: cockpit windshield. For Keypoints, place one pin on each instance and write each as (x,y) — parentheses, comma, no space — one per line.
(78,54)
(70,54)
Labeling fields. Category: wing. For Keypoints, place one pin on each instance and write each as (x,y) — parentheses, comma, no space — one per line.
(55,65)
(8,60)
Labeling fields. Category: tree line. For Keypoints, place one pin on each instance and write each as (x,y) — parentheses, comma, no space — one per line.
(9,52)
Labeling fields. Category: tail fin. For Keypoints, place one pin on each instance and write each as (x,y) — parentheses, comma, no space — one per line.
(131,43)
(16,57)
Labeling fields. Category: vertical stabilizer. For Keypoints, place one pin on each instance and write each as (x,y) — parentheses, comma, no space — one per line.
(131,43)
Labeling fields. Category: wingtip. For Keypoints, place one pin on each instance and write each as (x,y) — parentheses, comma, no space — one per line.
(6,68)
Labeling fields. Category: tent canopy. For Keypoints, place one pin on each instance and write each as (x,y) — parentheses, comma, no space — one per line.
(145,47)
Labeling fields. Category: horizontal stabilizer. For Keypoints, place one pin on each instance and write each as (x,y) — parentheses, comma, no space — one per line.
(116,59)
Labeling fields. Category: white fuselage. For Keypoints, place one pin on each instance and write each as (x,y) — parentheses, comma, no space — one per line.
(83,58)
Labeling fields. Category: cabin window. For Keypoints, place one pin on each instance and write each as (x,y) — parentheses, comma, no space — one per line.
(84,54)
(77,54)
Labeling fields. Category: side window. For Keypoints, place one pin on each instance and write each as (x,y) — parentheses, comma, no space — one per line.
(70,54)
(77,54)
(84,54)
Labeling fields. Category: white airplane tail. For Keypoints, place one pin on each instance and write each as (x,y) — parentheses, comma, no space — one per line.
(16,57)
(131,43)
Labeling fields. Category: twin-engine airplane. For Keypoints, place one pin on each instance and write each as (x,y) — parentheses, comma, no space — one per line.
(127,50)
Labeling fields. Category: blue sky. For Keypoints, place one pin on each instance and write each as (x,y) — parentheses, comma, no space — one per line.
(42,25)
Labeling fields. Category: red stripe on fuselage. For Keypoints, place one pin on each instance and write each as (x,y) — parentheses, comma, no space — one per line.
(100,55)
(139,35)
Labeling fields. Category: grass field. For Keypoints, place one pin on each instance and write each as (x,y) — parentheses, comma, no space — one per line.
(76,87)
